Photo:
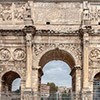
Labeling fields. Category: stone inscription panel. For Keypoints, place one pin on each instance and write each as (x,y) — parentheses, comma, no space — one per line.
(57,13)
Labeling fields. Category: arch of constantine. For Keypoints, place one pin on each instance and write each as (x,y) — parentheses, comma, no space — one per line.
(34,32)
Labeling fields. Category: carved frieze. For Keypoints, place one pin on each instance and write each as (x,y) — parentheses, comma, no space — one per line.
(4,54)
(40,47)
(19,54)
(75,49)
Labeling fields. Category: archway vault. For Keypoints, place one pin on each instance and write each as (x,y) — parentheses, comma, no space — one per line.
(10,76)
(57,54)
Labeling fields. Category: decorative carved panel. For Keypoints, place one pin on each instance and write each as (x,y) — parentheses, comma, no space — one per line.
(95,12)
(19,54)
(5,12)
(95,55)
(5,54)
(19,11)
(74,49)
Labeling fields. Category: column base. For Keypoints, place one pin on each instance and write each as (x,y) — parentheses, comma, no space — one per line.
(87,94)
(27,94)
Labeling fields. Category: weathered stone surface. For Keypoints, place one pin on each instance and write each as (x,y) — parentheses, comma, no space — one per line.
(67,31)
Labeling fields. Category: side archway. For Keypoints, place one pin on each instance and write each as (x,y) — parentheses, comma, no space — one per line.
(96,87)
(7,80)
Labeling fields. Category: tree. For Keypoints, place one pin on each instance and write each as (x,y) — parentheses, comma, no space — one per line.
(53,87)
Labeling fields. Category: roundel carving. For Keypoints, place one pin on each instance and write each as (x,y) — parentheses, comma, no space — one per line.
(19,54)
(4,54)
(95,55)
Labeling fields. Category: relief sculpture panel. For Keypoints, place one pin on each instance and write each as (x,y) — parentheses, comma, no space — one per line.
(19,11)
(19,54)
(4,54)
(95,55)
(5,12)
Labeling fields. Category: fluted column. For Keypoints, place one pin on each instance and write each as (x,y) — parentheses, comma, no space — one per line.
(29,31)
(85,59)
(29,60)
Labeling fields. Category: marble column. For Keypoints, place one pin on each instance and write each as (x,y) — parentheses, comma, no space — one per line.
(29,60)
(29,32)
(85,60)
(28,91)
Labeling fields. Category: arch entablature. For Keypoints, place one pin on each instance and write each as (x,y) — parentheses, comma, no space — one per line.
(73,50)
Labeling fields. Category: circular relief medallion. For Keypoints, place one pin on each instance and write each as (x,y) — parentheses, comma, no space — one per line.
(95,55)
(4,54)
(19,54)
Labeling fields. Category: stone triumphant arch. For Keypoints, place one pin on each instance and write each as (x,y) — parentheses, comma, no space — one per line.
(32,33)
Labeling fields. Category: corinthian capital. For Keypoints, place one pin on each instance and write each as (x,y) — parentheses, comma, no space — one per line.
(29,30)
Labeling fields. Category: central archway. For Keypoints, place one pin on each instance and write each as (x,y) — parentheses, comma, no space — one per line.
(58,72)
(57,54)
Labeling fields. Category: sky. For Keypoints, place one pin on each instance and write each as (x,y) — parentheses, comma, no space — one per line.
(16,84)
(54,71)
(58,72)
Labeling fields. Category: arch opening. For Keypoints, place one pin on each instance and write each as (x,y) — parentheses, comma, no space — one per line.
(16,86)
(7,81)
(57,55)
(96,87)
(58,72)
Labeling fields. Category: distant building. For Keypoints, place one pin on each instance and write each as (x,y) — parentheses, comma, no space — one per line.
(63,89)
(45,90)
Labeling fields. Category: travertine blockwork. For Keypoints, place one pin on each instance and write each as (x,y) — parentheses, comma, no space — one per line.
(34,33)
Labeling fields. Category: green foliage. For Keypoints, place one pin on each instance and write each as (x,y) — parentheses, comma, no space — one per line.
(66,96)
(53,87)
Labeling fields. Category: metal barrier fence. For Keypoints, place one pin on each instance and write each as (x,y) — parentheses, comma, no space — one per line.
(56,96)
(72,96)
(10,96)
(61,96)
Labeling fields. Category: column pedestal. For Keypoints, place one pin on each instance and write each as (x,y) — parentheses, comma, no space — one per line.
(36,83)
(27,94)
